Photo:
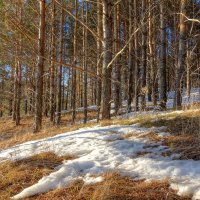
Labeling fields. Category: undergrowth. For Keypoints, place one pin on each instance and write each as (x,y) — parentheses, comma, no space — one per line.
(16,176)
(114,187)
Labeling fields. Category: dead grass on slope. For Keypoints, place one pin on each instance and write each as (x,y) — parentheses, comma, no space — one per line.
(152,136)
(114,187)
(195,105)
(130,135)
(185,138)
(11,135)
(184,127)
(185,133)
(16,176)
(187,146)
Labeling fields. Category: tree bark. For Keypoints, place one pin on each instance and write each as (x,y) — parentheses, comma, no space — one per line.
(18,69)
(74,64)
(59,82)
(40,70)
(143,91)
(85,35)
(163,64)
(152,53)
(188,80)
(130,58)
(107,57)
(181,55)
(52,68)
(136,61)
(99,52)
(117,66)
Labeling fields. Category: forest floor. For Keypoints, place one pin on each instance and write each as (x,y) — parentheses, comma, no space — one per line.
(10,134)
(154,155)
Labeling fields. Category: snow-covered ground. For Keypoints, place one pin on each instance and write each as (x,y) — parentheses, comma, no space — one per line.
(194,98)
(186,100)
(105,149)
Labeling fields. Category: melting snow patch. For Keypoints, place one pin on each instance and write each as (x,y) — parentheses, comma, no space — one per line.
(92,180)
(104,149)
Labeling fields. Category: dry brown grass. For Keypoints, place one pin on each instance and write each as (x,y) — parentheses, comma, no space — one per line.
(130,135)
(195,105)
(185,137)
(187,146)
(152,137)
(185,133)
(11,135)
(15,176)
(181,125)
(114,187)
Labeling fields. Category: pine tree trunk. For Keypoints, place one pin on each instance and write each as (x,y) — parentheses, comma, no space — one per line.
(39,70)
(143,91)
(163,64)
(136,62)
(19,69)
(107,57)
(73,95)
(1,99)
(52,68)
(117,67)
(85,35)
(181,55)
(67,103)
(152,53)
(188,81)
(17,86)
(18,100)
(59,82)
(99,57)
(15,90)
(130,59)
